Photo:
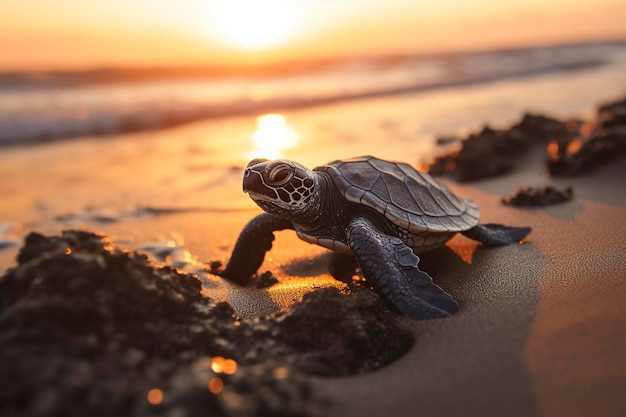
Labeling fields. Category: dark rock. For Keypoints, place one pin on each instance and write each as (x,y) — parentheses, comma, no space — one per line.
(88,328)
(539,129)
(214,267)
(539,196)
(586,146)
(490,152)
(442,164)
(266,280)
(611,115)
(485,154)
(573,147)
(447,140)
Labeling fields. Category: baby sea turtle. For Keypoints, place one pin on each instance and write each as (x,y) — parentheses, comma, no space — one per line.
(383,213)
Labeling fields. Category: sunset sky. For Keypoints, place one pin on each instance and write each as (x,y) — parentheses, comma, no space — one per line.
(44,34)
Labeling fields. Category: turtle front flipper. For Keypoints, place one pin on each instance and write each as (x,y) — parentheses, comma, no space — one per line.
(390,267)
(497,234)
(254,240)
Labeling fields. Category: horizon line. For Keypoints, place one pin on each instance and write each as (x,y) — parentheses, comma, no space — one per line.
(163,71)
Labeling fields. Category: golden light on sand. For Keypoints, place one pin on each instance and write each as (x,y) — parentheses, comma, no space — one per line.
(553,151)
(282,372)
(217,364)
(574,146)
(155,396)
(230,366)
(223,365)
(272,137)
(220,364)
(255,24)
(216,385)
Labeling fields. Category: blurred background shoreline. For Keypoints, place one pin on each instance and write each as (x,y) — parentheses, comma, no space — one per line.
(47,106)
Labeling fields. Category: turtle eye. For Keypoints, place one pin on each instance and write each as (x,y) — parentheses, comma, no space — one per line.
(280,175)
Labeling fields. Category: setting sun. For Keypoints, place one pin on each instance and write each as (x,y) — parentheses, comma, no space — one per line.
(254,25)
(66,34)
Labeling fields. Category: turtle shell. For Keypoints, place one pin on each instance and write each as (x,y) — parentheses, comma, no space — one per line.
(410,199)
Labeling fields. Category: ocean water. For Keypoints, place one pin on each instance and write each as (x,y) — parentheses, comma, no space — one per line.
(42,108)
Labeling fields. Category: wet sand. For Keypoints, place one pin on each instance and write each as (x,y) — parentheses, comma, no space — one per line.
(541,329)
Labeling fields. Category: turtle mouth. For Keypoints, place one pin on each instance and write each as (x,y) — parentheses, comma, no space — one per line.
(260,197)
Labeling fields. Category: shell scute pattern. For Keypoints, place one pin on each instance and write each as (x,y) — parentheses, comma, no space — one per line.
(451,204)
(399,196)
(354,194)
(381,189)
(436,223)
(402,194)
(372,200)
(367,176)
(399,218)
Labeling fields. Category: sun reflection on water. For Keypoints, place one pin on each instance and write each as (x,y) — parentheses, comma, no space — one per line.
(272,137)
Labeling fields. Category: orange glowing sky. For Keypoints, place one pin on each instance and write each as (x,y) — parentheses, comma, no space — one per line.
(36,34)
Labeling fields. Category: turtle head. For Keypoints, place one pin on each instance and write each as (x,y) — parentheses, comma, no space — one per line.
(282,188)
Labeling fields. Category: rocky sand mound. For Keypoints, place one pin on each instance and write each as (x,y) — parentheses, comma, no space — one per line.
(89,328)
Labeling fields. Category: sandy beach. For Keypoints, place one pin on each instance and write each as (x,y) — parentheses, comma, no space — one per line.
(541,328)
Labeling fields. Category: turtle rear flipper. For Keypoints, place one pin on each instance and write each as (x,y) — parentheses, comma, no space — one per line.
(390,267)
(497,234)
